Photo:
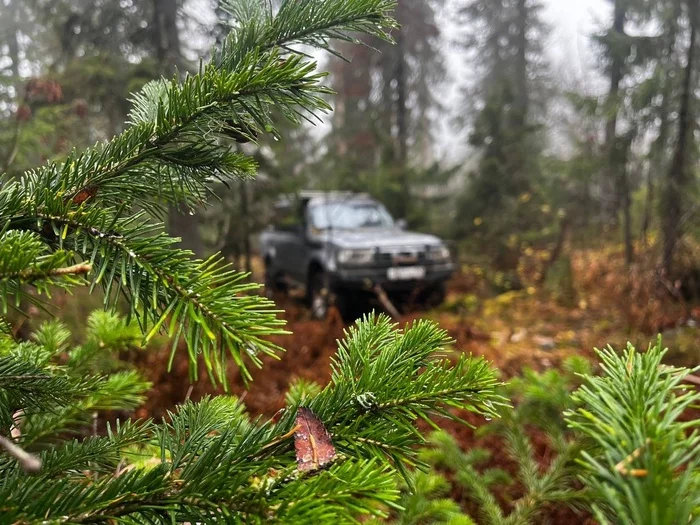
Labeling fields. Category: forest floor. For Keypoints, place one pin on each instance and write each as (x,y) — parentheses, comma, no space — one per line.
(599,302)
(524,328)
(595,301)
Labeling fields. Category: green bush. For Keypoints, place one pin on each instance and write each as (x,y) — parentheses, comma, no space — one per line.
(643,465)
(51,389)
(539,400)
(620,444)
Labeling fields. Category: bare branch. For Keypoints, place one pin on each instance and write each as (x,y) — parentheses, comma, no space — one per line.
(29,462)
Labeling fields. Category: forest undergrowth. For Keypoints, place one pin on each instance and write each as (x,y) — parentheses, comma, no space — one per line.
(538,336)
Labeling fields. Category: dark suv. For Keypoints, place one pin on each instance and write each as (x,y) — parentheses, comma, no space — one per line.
(339,246)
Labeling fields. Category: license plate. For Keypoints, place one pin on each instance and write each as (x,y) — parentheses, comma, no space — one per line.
(406,273)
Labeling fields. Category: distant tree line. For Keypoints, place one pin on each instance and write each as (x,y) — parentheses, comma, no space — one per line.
(629,165)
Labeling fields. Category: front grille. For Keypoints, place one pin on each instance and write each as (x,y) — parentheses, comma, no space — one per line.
(400,257)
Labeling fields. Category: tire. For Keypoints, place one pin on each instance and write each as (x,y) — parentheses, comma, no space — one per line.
(435,295)
(319,297)
(272,285)
(350,307)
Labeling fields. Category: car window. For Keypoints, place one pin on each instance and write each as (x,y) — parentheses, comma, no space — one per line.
(349,215)
(286,218)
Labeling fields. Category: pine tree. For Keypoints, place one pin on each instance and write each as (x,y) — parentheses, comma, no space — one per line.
(92,219)
(680,178)
(648,74)
(539,399)
(618,49)
(503,43)
(85,379)
(626,450)
(643,465)
(387,108)
(663,85)
(407,105)
(90,54)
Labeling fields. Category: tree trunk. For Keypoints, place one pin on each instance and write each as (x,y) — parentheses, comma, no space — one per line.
(648,205)
(166,42)
(678,172)
(402,125)
(659,148)
(521,96)
(245,225)
(614,179)
(354,140)
(627,214)
(185,226)
(166,37)
(616,73)
(388,61)
(13,45)
(19,96)
(230,247)
(564,228)
(618,152)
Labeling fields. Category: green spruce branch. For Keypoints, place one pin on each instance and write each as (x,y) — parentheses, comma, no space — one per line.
(643,465)
(213,463)
(176,146)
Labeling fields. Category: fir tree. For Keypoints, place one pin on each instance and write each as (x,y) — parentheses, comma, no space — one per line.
(625,435)
(680,177)
(388,109)
(503,43)
(92,219)
(643,467)
(539,400)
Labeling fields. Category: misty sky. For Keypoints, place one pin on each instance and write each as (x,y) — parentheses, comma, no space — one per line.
(572,23)
(573,62)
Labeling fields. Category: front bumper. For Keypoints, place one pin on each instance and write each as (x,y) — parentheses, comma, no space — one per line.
(363,278)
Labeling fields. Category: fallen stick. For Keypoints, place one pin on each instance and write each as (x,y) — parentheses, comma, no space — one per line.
(695,380)
(689,378)
(29,462)
(386,302)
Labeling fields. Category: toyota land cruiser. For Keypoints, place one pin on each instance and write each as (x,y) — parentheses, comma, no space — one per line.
(340,246)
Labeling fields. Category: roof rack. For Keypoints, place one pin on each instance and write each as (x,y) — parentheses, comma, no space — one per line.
(315,194)
(308,195)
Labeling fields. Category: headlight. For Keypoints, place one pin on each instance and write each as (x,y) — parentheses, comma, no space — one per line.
(439,254)
(355,256)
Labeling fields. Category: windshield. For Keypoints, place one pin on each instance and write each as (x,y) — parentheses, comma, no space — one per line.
(349,215)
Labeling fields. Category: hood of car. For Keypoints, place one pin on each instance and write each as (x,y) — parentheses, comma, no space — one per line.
(364,238)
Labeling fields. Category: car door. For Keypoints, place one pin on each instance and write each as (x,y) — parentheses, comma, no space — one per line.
(295,254)
(290,241)
(299,248)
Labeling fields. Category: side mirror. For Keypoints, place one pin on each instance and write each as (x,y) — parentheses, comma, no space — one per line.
(402,224)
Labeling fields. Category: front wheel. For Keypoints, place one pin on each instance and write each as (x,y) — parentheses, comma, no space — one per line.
(319,295)
(435,295)
(272,283)
(322,297)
